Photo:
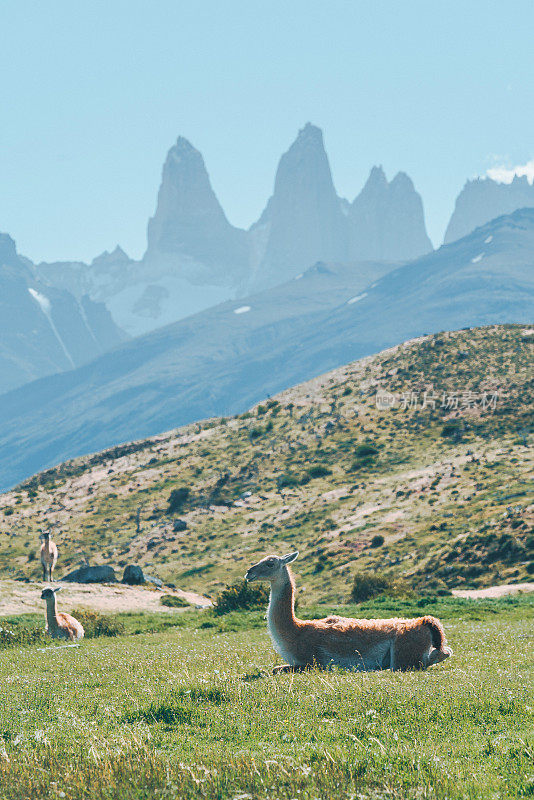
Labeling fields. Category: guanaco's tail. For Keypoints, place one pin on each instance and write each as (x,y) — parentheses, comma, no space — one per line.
(436,631)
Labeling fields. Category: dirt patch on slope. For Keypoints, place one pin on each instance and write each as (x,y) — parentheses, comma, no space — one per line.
(24,598)
(494,591)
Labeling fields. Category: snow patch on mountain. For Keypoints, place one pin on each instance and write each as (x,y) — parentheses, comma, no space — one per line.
(356,299)
(43,301)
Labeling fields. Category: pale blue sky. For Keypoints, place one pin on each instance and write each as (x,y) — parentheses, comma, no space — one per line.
(94,93)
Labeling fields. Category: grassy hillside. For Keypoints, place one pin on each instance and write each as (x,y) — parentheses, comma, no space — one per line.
(437,495)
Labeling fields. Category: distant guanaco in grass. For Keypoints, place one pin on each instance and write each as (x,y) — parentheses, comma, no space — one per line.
(60,626)
(354,644)
(49,555)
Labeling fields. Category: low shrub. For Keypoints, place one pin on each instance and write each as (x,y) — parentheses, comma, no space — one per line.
(318,471)
(96,624)
(292,479)
(366,450)
(288,480)
(13,636)
(367,585)
(364,455)
(377,541)
(241,596)
(173,601)
(177,499)
(452,429)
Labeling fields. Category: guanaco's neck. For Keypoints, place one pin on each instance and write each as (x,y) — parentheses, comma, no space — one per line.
(51,612)
(281,611)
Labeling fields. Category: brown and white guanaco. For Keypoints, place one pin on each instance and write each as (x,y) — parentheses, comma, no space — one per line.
(354,644)
(60,626)
(49,554)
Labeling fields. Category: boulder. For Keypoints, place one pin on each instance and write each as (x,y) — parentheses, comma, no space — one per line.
(179,525)
(133,575)
(98,574)
(155,581)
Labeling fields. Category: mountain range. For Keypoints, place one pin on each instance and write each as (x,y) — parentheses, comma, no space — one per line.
(224,359)
(195,258)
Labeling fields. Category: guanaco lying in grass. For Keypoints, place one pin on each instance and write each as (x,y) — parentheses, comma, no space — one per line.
(60,626)
(355,644)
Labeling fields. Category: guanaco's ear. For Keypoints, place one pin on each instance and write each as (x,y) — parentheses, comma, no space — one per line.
(57,589)
(290,557)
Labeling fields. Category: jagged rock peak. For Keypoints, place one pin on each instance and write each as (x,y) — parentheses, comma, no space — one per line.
(377,177)
(8,249)
(386,220)
(115,256)
(184,149)
(190,230)
(310,134)
(306,151)
(403,181)
(483,199)
(303,221)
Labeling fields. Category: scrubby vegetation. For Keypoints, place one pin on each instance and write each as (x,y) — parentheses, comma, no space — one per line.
(241,596)
(367,585)
(443,484)
(96,624)
(174,601)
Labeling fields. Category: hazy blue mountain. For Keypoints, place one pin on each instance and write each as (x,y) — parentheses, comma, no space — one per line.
(386,221)
(484,199)
(177,359)
(303,221)
(226,358)
(43,329)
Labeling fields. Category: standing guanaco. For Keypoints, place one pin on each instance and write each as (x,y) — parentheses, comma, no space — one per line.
(49,554)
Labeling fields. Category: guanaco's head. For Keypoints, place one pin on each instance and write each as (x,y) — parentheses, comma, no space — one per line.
(45,536)
(269,568)
(48,594)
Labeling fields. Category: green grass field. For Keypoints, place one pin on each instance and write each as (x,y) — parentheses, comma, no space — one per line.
(192,711)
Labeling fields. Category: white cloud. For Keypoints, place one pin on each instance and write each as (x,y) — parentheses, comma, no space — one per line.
(503,174)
